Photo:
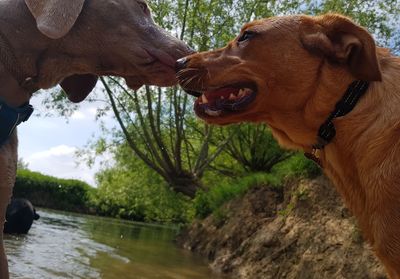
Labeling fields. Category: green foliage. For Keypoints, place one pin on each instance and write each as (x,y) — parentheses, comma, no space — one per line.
(207,202)
(132,191)
(51,192)
(252,147)
(22,165)
(297,166)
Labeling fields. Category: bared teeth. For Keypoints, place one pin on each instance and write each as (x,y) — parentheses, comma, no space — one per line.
(232,97)
(204,99)
(213,112)
(245,92)
(248,91)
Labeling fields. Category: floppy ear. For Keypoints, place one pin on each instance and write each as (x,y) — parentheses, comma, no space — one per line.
(342,42)
(54,18)
(78,87)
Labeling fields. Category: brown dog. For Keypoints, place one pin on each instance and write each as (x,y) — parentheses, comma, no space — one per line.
(71,42)
(291,72)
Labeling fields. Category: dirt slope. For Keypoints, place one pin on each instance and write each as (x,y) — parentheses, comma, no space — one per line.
(304,232)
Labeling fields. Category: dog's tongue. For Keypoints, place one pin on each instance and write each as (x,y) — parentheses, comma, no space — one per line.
(218,94)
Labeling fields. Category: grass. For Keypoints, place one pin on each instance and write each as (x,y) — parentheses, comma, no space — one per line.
(208,202)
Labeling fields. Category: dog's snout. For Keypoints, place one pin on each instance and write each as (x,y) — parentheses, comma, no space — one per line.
(181,64)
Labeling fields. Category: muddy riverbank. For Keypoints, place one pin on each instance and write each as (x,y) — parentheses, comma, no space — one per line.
(303,231)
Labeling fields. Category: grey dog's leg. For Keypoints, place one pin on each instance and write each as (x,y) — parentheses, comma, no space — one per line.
(3,261)
(5,195)
(8,168)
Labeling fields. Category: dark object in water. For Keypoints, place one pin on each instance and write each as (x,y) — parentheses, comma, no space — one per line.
(20,216)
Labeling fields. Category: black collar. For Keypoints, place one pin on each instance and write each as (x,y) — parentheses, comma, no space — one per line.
(327,130)
(10,118)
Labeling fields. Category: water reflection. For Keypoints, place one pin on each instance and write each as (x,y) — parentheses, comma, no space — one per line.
(62,245)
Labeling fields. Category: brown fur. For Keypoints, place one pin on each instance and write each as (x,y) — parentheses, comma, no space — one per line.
(302,66)
(71,42)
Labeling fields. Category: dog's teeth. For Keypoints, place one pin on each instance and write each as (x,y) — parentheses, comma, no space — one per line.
(242,92)
(248,91)
(204,99)
(232,97)
(213,112)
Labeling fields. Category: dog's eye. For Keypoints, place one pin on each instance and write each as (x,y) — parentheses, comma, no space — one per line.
(144,7)
(246,36)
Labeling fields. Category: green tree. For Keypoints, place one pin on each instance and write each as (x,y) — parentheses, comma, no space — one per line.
(159,135)
(131,190)
(21,164)
(253,148)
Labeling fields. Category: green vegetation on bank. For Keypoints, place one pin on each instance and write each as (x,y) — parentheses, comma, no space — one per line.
(297,166)
(55,193)
(139,195)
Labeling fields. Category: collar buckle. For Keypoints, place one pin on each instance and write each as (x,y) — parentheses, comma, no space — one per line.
(315,155)
(345,105)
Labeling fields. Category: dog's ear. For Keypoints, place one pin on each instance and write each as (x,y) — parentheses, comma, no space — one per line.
(342,42)
(78,87)
(54,18)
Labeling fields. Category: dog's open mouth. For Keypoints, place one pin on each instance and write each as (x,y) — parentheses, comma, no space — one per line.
(225,100)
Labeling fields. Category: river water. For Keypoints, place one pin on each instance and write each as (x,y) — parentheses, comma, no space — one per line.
(65,245)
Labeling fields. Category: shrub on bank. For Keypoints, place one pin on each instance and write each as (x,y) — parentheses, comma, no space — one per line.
(50,192)
(137,194)
(297,166)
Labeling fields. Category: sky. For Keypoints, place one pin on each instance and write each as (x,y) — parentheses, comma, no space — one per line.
(48,144)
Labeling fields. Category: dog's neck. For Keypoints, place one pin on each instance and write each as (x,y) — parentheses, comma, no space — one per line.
(16,27)
(11,92)
(370,131)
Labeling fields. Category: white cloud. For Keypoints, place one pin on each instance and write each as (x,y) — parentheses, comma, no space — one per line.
(61,150)
(48,144)
(78,115)
(60,161)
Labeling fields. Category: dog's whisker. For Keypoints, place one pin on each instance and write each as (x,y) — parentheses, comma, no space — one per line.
(183,71)
(188,81)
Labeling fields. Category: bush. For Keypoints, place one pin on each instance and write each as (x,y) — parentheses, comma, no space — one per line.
(50,192)
(297,166)
(137,194)
(207,202)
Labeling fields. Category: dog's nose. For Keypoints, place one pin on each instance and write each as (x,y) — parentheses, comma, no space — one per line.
(181,64)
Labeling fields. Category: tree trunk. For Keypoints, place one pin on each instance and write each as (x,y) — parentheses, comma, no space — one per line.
(185,184)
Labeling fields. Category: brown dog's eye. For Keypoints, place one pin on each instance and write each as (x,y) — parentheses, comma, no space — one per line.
(247,35)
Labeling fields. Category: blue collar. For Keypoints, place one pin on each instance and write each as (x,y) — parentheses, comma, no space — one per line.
(10,118)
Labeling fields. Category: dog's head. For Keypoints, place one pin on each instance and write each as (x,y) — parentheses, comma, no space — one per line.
(276,66)
(108,37)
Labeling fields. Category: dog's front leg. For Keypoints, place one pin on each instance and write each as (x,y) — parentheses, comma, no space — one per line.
(4,198)
(8,168)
